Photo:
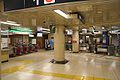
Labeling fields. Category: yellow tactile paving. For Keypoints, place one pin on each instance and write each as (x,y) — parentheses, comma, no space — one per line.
(16,68)
(25,61)
(84,78)
(50,74)
(67,76)
(12,70)
(38,68)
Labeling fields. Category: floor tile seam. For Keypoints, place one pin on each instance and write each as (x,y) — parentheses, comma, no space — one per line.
(108,72)
(99,69)
(114,71)
(113,74)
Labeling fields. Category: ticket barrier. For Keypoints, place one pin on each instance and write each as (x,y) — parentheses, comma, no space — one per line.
(25,49)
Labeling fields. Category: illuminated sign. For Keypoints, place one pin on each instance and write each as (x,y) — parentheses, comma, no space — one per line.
(49,1)
(31,3)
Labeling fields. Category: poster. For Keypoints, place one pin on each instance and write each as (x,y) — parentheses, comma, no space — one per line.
(4,43)
(33,41)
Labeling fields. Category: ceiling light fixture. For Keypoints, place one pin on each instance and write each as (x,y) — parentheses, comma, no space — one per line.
(45,29)
(8,23)
(11,22)
(62,13)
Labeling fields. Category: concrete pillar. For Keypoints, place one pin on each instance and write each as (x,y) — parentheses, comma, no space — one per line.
(59,46)
(75,43)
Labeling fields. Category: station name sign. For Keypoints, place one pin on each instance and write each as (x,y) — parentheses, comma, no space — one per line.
(22,4)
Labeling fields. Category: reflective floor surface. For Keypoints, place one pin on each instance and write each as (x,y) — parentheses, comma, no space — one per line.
(81,66)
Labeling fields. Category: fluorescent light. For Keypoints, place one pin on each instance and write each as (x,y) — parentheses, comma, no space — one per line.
(3,31)
(45,29)
(30,35)
(42,29)
(8,23)
(27,33)
(37,2)
(61,13)
(45,32)
(11,22)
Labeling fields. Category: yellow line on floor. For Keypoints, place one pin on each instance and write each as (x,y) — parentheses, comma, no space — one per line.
(16,68)
(13,69)
(21,68)
(68,76)
(25,61)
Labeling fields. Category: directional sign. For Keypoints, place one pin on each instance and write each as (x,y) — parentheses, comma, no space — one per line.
(13,4)
(49,1)
(32,3)
(22,4)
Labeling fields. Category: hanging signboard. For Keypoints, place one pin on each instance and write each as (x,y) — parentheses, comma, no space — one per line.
(13,5)
(22,4)
(31,3)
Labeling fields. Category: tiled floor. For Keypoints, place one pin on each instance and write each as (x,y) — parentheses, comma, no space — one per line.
(81,66)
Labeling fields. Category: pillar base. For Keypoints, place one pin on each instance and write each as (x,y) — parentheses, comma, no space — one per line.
(4,61)
(59,62)
(75,52)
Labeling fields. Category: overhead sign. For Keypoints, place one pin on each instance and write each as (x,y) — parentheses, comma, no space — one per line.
(31,3)
(13,5)
(22,4)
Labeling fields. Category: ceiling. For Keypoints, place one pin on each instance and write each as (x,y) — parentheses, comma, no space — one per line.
(95,12)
